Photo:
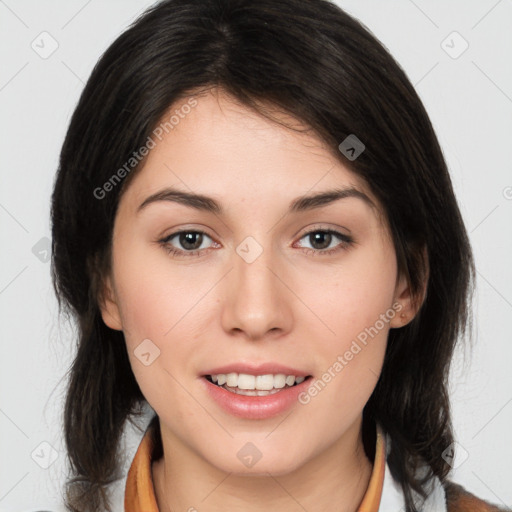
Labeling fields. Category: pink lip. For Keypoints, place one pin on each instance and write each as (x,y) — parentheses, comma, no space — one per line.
(255,407)
(256,369)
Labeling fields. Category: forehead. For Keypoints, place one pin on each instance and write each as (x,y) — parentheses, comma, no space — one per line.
(224,149)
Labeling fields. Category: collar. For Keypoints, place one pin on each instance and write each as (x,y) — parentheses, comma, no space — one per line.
(382,495)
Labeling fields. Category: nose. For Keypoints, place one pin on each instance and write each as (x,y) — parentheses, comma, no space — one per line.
(257,302)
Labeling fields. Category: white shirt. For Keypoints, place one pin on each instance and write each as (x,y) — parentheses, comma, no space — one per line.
(392,499)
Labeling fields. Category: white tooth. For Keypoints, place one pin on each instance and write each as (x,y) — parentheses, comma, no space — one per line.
(246,381)
(262,392)
(232,380)
(265,382)
(279,380)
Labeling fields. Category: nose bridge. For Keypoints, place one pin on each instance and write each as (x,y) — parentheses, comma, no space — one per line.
(252,263)
(257,300)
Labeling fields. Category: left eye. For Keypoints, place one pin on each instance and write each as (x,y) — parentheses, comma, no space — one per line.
(189,240)
(324,238)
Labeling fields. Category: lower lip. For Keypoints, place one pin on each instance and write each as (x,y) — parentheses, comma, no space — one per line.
(255,407)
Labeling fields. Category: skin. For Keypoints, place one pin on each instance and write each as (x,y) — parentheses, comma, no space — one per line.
(292,305)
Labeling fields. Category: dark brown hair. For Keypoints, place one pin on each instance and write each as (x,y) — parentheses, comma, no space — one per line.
(317,63)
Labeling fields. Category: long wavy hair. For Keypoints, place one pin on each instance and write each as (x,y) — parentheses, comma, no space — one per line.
(309,59)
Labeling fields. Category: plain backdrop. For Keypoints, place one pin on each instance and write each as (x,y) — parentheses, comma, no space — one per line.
(458,55)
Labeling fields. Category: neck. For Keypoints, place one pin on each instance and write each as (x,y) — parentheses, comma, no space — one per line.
(335,479)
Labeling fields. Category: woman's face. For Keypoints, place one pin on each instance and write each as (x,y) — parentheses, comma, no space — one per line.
(249,286)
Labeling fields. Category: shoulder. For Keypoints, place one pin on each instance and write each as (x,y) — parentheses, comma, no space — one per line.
(459,499)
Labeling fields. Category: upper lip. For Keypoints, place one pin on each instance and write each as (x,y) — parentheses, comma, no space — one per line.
(256,369)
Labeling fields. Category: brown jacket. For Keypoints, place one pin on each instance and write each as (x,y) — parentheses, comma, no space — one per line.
(460,500)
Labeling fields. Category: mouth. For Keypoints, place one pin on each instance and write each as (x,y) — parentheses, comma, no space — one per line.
(256,397)
(255,385)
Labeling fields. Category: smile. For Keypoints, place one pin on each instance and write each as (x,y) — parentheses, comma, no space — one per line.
(240,394)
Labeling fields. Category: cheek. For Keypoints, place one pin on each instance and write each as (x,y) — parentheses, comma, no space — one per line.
(355,305)
(351,359)
(153,294)
(354,295)
(154,303)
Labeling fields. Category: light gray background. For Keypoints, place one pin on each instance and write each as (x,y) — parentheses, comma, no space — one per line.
(469,99)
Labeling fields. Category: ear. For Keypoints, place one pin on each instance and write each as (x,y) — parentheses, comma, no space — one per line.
(404,302)
(109,307)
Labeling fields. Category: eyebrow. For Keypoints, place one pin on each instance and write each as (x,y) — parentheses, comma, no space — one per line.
(300,204)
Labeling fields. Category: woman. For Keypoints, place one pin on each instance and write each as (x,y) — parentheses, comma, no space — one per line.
(255,228)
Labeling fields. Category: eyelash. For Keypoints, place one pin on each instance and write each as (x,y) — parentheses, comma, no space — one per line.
(346,241)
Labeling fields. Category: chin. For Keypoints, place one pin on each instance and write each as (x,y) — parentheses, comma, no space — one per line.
(277,463)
